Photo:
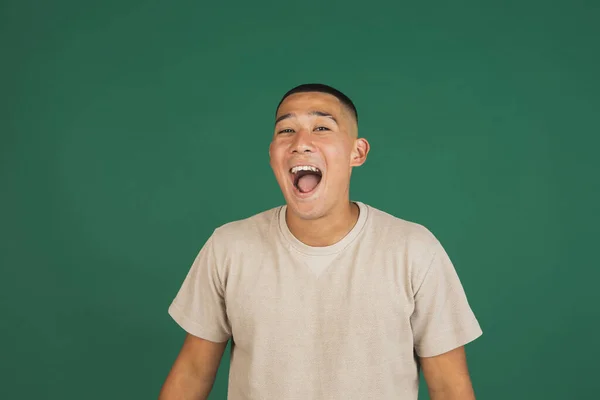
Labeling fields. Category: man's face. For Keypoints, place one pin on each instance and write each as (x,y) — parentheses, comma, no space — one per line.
(312,153)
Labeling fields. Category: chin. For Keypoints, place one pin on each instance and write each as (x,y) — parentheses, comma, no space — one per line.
(306,214)
(306,209)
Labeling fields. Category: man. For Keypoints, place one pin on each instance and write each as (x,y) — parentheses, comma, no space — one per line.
(324,298)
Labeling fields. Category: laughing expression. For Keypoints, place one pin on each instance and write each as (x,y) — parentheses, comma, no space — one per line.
(313,150)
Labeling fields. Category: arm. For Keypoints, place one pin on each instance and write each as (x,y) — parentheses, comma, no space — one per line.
(447,376)
(193,372)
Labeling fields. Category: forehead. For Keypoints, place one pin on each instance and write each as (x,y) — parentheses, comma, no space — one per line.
(302,103)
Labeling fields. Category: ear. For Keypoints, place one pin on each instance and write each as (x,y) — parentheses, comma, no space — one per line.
(360,152)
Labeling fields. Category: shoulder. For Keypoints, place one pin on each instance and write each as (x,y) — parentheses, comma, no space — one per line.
(245,232)
(395,230)
(412,244)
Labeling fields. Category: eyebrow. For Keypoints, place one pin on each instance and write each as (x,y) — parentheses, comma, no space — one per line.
(317,113)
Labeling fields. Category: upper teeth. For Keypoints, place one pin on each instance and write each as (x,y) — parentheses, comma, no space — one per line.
(304,168)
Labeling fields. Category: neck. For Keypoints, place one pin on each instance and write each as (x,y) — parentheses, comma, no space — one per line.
(327,230)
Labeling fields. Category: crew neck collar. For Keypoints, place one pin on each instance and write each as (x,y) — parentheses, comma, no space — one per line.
(325,250)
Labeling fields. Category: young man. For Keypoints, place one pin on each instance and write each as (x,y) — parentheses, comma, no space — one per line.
(324,298)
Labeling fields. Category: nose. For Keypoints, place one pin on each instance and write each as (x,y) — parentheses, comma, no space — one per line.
(302,142)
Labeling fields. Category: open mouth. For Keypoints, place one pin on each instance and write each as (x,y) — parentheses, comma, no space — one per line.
(306,177)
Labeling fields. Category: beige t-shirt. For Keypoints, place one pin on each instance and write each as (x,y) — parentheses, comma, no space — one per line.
(339,322)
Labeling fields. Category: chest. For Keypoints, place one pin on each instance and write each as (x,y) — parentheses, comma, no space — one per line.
(286,293)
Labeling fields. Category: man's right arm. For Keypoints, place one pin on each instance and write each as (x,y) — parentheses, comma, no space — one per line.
(193,373)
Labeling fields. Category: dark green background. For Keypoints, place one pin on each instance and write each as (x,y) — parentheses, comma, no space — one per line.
(131,129)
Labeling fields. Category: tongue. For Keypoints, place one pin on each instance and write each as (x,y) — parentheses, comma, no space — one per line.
(308,182)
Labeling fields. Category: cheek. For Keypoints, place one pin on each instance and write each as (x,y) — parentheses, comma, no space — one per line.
(338,161)
(339,156)
(271,151)
(274,154)
(277,162)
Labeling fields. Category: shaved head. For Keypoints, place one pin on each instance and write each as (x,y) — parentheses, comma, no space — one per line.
(348,106)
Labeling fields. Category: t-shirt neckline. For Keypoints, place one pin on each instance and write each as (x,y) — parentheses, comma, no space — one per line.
(325,250)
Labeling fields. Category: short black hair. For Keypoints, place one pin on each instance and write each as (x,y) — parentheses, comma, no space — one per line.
(322,88)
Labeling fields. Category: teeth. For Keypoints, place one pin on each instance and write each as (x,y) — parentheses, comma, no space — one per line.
(303,168)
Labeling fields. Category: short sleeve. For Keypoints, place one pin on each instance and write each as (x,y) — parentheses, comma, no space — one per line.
(199,306)
(442,319)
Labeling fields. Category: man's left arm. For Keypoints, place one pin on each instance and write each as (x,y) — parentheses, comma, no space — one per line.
(447,376)
(442,323)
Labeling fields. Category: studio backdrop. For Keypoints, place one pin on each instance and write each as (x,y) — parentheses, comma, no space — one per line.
(131,129)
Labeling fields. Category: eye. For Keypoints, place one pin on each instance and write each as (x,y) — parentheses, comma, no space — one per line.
(322,128)
(287,130)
